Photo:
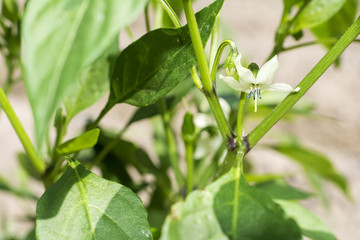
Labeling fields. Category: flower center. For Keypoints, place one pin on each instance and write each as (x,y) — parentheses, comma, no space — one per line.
(255,93)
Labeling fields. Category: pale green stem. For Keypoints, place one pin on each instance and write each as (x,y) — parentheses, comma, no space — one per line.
(171,143)
(214,42)
(207,83)
(304,85)
(176,21)
(219,52)
(189,150)
(170,12)
(35,159)
(240,118)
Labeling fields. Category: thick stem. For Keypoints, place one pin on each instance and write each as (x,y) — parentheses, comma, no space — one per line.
(304,85)
(35,159)
(207,83)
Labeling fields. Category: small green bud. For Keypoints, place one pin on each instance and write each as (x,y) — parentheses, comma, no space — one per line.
(254,68)
(229,64)
(188,130)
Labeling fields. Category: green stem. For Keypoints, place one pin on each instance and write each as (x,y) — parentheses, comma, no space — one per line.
(173,155)
(170,12)
(198,46)
(283,30)
(147,18)
(37,162)
(240,117)
(219,52)
(189,150)
(207,83)
(304,85)
(320,41)
(214,42)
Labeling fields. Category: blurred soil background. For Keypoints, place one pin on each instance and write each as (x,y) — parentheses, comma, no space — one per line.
(251,24)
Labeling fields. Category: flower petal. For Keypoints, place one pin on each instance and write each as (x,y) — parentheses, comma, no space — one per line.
(233,83)
(245,75)
(267,71)
(279,87)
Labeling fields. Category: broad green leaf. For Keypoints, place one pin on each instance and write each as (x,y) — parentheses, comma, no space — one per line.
(93,84)
(279,189)
(229,208)
(311,226)
(193,219)
(84,141)
(336,26)
(60,39)
(171,100)
(313,163)
(316,13)
(150,67)
(82,205)
(245,212)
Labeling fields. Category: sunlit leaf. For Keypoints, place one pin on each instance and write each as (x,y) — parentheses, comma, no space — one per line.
(153,65)
(229,208)
(61,38)
(84,141)
(311,226)
(93,84)
(82,205)
(313,162)
(336,26)
(316,13)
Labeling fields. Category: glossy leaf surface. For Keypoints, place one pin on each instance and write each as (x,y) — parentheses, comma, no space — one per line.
(153,65)
(82,205)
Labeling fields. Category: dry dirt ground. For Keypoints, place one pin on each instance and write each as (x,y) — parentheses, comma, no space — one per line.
(252,24)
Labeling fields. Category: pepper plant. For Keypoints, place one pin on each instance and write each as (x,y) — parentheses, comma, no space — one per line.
(69,56)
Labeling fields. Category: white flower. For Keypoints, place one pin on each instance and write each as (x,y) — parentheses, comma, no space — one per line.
(255,84)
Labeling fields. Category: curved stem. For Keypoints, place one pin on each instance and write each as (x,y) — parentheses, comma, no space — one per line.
(35,159)
(170,12)
(219,52)
(304,85)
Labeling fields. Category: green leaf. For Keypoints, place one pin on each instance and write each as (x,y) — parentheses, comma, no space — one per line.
(93,84)
(150,67)
(61,38)
(316,13)
(229,208)
(171,100)
(279,189)
(336,26)
(313,163)
(82,205)
(10,10)
(84,141)
(311,226)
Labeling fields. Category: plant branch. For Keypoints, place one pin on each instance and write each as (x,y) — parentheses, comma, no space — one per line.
(207,84)
(304,85)
(35,159)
